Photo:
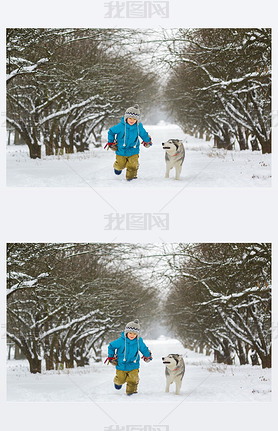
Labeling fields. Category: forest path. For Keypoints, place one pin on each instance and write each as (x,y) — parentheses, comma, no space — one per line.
(204,166)
(204,381)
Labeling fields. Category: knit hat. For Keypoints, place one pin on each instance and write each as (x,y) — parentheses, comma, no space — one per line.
(133,327)
(132,112)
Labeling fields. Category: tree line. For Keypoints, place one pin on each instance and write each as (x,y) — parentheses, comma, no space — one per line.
(220,299)
(220,85)
(65,300)
(63,85)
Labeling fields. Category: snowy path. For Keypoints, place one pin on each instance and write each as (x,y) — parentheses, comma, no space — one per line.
(203,381)
(203,166)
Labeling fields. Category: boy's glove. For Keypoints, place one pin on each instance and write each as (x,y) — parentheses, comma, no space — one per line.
(112,145)
(113,361)
(148,358)
(148,144)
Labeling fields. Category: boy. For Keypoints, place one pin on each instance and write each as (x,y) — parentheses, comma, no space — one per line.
(124,353)
(124,139)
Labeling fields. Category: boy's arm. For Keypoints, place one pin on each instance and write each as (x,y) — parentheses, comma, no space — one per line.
(112,132)
(144,349)
(112,348)
(147,140)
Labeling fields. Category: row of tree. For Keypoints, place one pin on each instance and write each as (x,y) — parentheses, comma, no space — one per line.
(63,85)
(220,299)
(65,300)
(221,84)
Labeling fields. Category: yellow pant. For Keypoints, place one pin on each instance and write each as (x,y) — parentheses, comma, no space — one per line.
(131,378)
(130,163)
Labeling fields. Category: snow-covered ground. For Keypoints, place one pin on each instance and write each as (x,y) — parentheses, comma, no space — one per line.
(204,166)
(204,381)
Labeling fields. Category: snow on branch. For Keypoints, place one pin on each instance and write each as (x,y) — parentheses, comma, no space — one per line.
(26,69)
(214,294)
(225,84)
(68,325)
(27,284)
(22,285)
(69,110)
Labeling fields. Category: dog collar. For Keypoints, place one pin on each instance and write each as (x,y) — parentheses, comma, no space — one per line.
(175,154)
(175,369)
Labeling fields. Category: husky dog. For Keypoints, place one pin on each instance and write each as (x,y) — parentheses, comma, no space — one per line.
(174,156)
(174,371)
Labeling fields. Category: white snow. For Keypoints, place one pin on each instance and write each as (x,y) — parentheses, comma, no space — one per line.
(204,166)
(204,381)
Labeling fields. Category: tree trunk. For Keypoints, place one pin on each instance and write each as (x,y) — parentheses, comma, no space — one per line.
(9,352)
(69,363)
(69,358)
(82,361)
(18,353)
(49,362)
(49,147)
(266,361)
(254,144)
(227,144)
(215,141)
(266,147)
(254,358)
(243,359)
(81,147)
(241,139)
(35,151)
(218,357)
(228,358)
(35,365)
(18,139)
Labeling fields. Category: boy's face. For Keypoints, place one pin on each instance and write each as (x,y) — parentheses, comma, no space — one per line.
(131,121)
(131,335)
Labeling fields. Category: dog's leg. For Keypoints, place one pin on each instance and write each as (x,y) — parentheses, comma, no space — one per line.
(178,172)
(167,385)
(167,172)
(178,387)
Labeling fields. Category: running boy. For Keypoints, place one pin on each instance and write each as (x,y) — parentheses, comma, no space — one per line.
(124,139)
(124,353)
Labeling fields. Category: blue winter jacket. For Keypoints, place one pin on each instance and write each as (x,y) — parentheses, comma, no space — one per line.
(127,137)
(128,350)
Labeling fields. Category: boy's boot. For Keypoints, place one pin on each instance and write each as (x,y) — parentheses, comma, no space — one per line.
(117,386)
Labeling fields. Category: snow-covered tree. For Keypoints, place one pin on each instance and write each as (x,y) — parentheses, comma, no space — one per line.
(222,297)
(64,84)
(64,299)
(221,84)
